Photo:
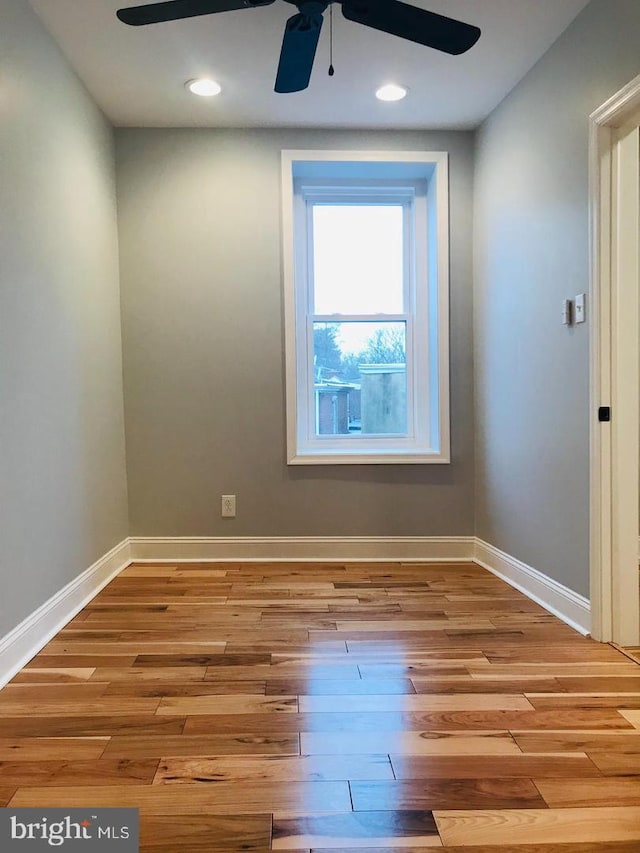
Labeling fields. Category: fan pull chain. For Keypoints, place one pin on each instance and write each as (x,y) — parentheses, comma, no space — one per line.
(332,70)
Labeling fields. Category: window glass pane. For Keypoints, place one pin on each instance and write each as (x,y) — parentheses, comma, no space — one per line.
(358,259)
(360,378)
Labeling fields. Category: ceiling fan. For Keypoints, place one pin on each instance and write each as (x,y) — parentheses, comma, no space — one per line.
(302,30)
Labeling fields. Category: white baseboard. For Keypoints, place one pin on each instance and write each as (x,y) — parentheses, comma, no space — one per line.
(567,605)
(558,599)
(26,639)
(303,548)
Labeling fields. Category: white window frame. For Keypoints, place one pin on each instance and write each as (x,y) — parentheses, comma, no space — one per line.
(418,181)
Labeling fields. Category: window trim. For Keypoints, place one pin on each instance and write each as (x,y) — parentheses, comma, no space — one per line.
(419,165)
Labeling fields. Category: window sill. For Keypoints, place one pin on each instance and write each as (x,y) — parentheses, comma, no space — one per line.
(387,458)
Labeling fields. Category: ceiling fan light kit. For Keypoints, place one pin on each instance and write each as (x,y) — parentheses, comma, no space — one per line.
(302,30)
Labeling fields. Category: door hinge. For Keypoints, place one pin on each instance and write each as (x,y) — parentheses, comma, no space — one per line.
(604,414)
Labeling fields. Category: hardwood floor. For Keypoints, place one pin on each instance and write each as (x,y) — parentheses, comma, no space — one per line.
(633,652)
(329,707)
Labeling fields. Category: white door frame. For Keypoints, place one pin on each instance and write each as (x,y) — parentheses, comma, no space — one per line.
(615,367)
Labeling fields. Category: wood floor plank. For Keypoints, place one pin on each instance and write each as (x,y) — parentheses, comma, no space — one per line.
(421,625)
(600,793)
(61,772)
(476,604)
(83,661)
(426,669)
(191,637)
(355,830)
(78,708)
(6,794)
(286,604)
(230,833)
(588,847)
(150,626)
(305,768)
(239,703)
(382,609)
(146,599)
(541,653)
(90,648)
(287,583)
(555,670)
(468,684)
(511,827)
(54,748)
(258,644)
(408,743)
(159,746)
(223,798)
(81,726)
(207,660)
(546,701)
(583,718)
(417,644)
(171,572)
(446,793)
(413,638)
(426,702)
(632,717)
(541,766)
(581,741)
(36,693)
(149,673)
(601,684)
(617,764)
(175,688)
(342,671)
(630,652)
(385,657)
(54,675)
(334,687)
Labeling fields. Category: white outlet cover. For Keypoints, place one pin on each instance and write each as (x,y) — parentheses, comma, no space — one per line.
(228,506)
(580,308)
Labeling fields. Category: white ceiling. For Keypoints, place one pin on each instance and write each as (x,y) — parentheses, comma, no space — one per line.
(137,75)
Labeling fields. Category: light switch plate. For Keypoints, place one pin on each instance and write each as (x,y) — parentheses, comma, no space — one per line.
(580,314)
(566,312)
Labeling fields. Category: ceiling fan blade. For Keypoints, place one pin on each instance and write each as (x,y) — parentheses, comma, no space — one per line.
(409,22)
(299,45)
(174,10)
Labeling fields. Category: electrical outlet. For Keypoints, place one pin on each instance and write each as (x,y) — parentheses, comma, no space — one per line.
(228,506)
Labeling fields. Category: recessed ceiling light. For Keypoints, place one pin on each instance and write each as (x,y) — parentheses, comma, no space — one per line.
(391,92)
(204,87)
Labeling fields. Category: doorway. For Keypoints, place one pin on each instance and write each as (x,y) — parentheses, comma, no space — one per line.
(615,368)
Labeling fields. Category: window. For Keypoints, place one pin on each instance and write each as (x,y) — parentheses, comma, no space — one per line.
(366,307)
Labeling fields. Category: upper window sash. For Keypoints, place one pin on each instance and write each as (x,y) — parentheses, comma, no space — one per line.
(309,195)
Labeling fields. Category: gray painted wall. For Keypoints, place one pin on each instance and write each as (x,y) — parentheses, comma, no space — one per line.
(62,469)
(531,237)
(199,217)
